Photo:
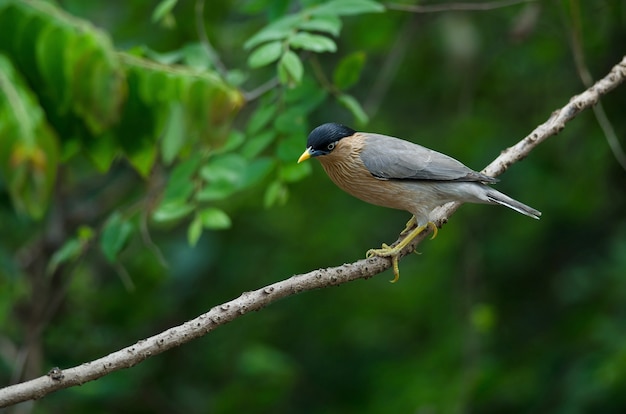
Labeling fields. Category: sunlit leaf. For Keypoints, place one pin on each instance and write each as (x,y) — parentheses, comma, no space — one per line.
(277,30)
(312,42)
(172,211)
(228,167)
(349,7)
(174,134)
(326,23)
(266,54)
(214,219)
(194,231)
(290,68)
(217,190)
(223,176)
(163,9)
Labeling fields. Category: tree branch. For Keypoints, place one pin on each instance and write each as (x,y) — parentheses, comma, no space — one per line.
(447,7)
(220,315)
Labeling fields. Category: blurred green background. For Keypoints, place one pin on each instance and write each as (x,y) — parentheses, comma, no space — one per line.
(499,313)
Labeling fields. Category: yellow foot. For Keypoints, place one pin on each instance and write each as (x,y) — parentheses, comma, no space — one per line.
(393,252)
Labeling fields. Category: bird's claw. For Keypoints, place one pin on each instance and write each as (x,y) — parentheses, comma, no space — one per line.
(391,252)
(394,252)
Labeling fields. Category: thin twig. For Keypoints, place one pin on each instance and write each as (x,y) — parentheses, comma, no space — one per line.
(261,90)
(257,299)
(390,66)
(200,27)
(484,6)
(587,80)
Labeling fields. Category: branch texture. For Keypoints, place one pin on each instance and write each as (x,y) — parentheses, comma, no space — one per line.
(219,315)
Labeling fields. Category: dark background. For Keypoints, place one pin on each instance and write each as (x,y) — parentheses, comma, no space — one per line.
(500,313)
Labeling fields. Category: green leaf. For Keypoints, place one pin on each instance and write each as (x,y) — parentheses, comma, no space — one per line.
(290,69)
(290,148)
(94,82)
(354,107)
(208,104)
(172,211)
(114,236)
(214,219)
(277,30)
(312,42)
(166,58)
(180,183)
(163,9)
(257,171)
(266,54)
(102,151)
(293,172)
(261,117)
(235,140)
(483,317)
(196,55)
(50,45)
(28,147)
(257,143)
(236,77)
(348,7)
(306,97)
(175,203)
(275,194)
(348,71)
(223,176)
(71,249)
(291,122)
(325,23)
(194,231)
(174,135)
(229,167)
(218,190)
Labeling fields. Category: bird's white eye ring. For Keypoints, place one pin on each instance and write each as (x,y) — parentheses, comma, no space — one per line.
(331,146)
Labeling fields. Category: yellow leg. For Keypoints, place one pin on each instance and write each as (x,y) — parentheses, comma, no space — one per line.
(393,252)
(412,222)
(409,225)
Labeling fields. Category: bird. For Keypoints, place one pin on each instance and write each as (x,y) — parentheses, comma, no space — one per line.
(394,173)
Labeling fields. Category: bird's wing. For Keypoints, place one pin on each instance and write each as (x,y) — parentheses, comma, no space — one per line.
(395,159)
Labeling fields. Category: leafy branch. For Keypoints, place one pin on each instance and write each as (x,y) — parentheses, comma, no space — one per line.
(255,300)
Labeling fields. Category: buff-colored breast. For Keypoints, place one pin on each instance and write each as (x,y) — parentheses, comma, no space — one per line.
(345,167)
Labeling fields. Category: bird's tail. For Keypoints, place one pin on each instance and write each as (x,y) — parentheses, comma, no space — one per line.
(497,197)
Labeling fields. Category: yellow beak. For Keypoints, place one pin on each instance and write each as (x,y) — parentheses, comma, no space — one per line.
(305,155)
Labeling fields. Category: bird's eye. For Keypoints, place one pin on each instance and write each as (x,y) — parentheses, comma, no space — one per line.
(331,146)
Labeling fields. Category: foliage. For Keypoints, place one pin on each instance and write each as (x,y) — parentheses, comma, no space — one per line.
(147,173)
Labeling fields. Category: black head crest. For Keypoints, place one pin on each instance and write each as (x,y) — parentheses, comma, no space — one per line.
(326,134)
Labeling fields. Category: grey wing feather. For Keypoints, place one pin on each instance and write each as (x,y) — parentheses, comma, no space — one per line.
(395,159)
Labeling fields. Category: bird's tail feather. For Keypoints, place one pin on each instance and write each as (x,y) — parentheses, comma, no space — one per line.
(503,199)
